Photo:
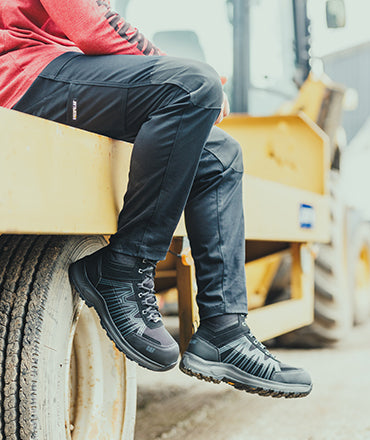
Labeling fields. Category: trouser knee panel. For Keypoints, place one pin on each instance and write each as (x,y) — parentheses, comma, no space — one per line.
(199,79)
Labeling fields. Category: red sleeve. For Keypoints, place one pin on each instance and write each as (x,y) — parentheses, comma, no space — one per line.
(96,29)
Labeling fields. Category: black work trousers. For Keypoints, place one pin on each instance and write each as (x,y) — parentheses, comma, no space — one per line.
(167,108)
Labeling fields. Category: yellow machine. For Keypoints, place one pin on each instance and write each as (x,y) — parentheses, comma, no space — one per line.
(60,192)
(59,348)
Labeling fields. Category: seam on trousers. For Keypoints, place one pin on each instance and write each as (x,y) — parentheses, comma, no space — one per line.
(98,83)
(223,166)
(182,86)
(236,171)
(189,92)
(124,98)
(220,248)
(163,178)
(54,75)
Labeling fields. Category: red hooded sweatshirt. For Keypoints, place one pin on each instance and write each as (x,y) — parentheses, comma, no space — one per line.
(34,32)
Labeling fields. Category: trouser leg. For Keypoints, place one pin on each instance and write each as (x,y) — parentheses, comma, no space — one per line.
(166,106)
(215,225)
(164,162)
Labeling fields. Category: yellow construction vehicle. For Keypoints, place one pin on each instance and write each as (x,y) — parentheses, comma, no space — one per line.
(275,58)
(61,189)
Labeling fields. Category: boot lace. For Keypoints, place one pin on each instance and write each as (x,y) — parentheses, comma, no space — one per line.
(147,292)
(259,344)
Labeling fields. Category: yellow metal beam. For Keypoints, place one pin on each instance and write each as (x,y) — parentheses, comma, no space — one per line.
(278,212)
(55,178)
(187,290)
(58,179)
(259,275)
(276,319)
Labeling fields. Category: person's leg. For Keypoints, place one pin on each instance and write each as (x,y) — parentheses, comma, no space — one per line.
(223,348)
(167,107)
(120,286)
(215,225)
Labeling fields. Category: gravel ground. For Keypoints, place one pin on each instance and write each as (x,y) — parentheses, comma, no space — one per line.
(173,406)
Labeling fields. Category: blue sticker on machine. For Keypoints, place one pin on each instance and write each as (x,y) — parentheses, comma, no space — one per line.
(306,216)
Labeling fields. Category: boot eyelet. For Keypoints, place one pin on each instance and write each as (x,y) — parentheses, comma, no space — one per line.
(145,260)
(144,312)
(140,270)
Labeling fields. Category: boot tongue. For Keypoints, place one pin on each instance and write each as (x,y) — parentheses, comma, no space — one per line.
(149,293)
(150,299)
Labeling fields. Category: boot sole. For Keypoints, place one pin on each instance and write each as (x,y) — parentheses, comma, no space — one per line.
(92,298)
(218,372)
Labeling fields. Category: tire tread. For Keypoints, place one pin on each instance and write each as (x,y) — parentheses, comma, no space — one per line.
(13,250)
(25,266)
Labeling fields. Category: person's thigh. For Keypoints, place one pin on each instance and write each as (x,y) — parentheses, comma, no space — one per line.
(113,95)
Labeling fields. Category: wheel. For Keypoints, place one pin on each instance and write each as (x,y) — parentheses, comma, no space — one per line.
(359,273)
(61,377)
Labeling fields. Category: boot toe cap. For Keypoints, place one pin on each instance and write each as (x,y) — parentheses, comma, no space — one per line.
(292,375)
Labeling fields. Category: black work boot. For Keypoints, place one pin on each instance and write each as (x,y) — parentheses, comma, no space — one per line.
(230,353)
(121,290)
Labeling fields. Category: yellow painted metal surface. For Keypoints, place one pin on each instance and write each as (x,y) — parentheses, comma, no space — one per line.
(276,319)
(289,149)
(58,179)
(55,178)
(272,212)
(362,269)
(273,320)
(259,275)
(187,290)
(309,99)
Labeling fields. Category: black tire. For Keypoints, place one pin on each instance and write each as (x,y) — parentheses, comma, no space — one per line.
(39,314)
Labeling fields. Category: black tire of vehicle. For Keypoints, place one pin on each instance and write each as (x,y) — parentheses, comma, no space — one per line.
(359,272)
(45,392)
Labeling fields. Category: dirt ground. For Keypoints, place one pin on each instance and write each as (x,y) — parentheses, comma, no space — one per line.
(173,406)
